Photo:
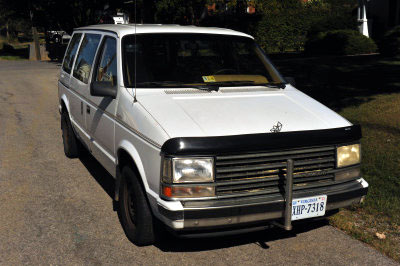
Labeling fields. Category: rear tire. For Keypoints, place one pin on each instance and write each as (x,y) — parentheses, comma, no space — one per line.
(134,211)
(70,141)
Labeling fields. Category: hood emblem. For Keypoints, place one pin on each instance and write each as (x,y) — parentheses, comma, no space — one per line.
(277,128)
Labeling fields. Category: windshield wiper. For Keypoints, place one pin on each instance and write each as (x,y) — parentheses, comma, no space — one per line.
(280,85)
(175,84)
(214,86)
(149,84)
(209,86)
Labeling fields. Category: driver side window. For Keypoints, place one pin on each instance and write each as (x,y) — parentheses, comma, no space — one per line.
(106,69)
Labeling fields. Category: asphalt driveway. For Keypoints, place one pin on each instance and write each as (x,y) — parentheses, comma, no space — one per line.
(54,210)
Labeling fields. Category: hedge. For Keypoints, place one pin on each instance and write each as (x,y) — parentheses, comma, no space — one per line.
(390,44)
(285,25)
(340,42)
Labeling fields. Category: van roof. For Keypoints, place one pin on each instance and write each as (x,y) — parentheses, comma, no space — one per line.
(124,29)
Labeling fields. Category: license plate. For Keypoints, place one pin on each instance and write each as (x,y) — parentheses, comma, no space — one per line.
(308,207)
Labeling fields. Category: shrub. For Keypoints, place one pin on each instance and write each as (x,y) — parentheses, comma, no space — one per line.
(7,49)
(331,23)
(331,15)
(340,42)
(390,44)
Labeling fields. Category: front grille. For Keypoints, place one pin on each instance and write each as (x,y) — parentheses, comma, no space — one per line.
(264,173)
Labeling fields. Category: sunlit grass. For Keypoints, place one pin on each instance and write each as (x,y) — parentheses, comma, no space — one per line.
(380,121)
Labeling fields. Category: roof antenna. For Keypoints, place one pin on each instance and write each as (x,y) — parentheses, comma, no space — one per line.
(134,96)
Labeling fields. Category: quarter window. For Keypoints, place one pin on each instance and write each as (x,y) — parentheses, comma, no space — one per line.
(107,66)
(71,52)
(84,61)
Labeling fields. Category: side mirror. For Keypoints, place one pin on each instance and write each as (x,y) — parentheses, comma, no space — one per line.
(103,88)
(291,81)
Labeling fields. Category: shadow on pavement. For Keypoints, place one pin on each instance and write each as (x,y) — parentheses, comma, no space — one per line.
(57,63)
(261,239)
(99,173)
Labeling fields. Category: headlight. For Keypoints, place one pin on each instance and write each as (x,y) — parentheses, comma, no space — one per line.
(188,170)
(348,155)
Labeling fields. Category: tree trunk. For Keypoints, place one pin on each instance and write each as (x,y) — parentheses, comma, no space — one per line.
(7,32)
(36,42)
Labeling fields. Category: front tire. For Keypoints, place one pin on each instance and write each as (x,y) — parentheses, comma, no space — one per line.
(71,143)
(134,211)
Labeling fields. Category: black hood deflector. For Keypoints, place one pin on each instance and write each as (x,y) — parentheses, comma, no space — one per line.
(260,142)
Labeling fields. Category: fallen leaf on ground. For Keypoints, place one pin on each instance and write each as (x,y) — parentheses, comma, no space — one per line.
(380,235)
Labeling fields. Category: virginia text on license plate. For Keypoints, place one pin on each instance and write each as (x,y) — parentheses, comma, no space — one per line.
(308,207)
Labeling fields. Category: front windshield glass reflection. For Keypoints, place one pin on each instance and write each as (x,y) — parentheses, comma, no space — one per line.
(195,59)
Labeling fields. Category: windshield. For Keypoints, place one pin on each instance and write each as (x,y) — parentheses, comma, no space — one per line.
(195,59)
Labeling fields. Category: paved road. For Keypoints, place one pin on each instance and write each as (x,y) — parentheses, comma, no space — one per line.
(54,210)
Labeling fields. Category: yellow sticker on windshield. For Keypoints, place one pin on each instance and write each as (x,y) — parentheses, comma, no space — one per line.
(208,78)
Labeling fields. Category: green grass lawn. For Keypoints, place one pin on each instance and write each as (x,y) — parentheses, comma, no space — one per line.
(366,91)
(380,120)
(12,57)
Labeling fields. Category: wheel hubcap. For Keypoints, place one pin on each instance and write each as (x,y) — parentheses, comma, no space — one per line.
(64,131)
(130,203)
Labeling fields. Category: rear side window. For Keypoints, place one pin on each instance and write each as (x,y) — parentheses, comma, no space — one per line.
(84,60)
(71,52)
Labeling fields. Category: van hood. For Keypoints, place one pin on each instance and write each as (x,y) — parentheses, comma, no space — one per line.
(228,112)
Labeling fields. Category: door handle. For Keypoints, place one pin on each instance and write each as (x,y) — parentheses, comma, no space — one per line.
(88,109)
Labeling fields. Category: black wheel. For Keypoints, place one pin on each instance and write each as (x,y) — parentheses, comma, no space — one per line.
(134,211)
(71,143)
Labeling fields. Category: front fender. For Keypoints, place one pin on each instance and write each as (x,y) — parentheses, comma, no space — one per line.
(134,154)
(64,99)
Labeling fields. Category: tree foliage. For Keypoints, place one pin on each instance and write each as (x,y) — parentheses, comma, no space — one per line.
(285,25)
(57,15)
(278,25)
(181,11)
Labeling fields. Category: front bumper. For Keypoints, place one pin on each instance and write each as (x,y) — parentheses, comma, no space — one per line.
(256,212)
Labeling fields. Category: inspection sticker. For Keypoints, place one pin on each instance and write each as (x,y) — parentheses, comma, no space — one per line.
(208,78)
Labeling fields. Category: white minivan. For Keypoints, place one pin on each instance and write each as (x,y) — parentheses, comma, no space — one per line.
(202,134)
